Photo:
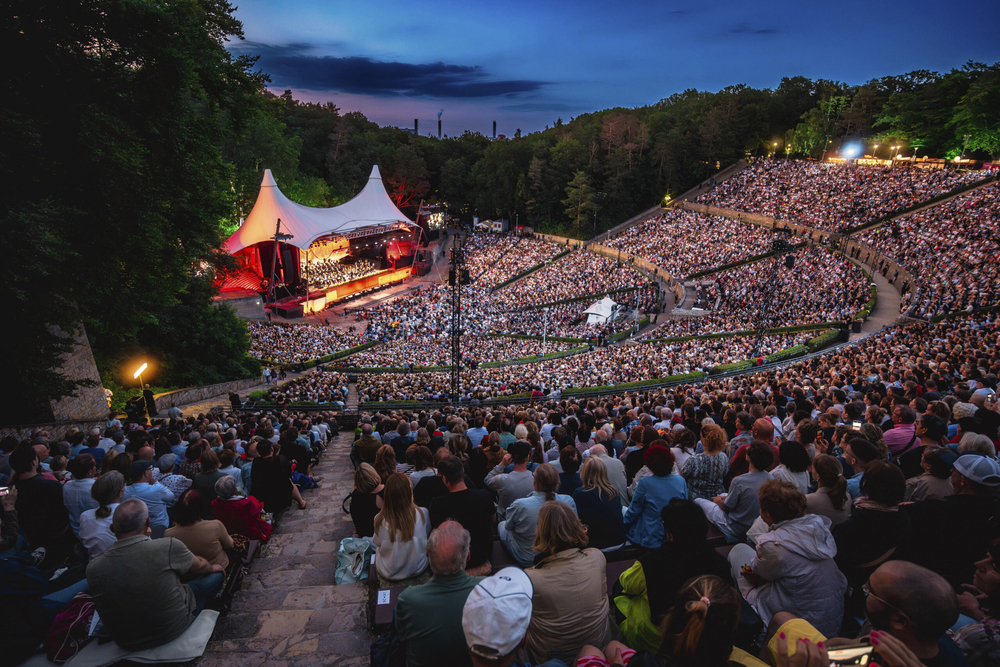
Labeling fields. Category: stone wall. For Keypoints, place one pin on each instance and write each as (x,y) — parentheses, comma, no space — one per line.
(561,240)
(169,399)
(57,430)
(78,364)
(759,220)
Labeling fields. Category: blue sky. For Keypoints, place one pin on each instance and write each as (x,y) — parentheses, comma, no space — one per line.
(526,63)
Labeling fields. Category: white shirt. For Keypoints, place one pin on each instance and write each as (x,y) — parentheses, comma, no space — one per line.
(95,534)
(402,560)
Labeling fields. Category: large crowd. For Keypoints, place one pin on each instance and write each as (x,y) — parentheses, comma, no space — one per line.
(145,524)
(494,258)
(951,251)
(857,493)
(602,367)
(325,273)
(436,351)
(293,343)
(830,196)
(821,287)
(581,273)
(683,242)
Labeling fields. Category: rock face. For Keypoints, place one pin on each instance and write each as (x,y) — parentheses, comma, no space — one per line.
(78,364)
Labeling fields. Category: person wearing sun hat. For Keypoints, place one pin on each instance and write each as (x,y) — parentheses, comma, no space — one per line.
(495,619)
(947,535)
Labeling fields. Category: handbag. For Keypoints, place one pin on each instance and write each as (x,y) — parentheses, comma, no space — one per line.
(353,557)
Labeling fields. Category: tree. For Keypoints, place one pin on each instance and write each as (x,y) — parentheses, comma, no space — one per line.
(407,177)
(114,123)
(978,115)
(580,200)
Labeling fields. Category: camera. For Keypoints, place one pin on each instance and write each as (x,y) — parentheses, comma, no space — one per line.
(851,654)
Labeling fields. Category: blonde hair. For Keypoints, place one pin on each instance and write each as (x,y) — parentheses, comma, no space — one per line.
(547,480)
(398,510)
(594,475)
(558,528)
(366,479)
(699,628)
(713,438)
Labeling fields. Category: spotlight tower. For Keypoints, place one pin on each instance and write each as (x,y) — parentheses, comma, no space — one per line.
(456,279)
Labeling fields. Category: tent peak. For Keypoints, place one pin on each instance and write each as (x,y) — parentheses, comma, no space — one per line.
(375,174)
(268,180)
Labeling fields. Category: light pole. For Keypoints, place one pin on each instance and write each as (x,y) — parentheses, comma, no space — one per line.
(825,147)
(964,146)
(545,328)
(875,152)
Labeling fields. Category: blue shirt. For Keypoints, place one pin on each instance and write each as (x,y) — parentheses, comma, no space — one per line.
(854,485)
(77,499)
(157,498)
(476,436)
(522,520)
(643,524)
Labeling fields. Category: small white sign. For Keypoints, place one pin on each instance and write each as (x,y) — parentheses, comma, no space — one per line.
(373,559)
(383,597)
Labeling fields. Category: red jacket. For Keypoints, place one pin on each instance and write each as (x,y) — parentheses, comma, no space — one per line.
(242,517)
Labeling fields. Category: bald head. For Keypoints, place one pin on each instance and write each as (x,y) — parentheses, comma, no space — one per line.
(448,548)
(597,450)
(925,596)
(763,430)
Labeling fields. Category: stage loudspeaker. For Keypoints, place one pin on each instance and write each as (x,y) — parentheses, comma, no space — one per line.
(844,335)
(290,313)
(790,262)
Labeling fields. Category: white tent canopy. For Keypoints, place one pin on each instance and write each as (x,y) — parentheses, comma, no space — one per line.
(371,208)
(600,311)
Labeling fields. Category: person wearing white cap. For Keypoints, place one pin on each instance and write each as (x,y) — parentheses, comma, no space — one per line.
(947,535)
(495,619)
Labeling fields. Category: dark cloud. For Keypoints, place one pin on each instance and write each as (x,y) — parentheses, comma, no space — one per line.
(745,29)
(537,106)
(293,66)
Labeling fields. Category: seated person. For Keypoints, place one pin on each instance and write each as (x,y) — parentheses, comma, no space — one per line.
(271,480)
(518,532)
(239,514)
(792,568)
(733,513)
(366,499)
(156,496)
(401,531)
(95,525)
(698,631)
(910,610)
(136,584)
(980,641)
(429,616)
(654,492)
(935,480)
(495,619)
(164,474)
(598,505)
(649,587)
(570,604)
(42,516)
(473,508)
(208,539)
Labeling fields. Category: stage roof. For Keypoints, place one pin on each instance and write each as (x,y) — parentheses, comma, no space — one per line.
(370,212)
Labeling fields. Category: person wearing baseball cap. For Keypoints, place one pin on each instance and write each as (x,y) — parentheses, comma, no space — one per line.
(947,535)
(495,619)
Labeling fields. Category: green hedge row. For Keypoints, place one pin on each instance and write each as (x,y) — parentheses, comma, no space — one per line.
(558,339)
(733,265)
(823,340)
(522,274)
(961,313)
(632,385)
(528,360)
(741,334)
(796,351)
(587,297)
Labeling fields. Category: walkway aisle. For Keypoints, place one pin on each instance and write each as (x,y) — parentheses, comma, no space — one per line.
(289,612)
(887,307)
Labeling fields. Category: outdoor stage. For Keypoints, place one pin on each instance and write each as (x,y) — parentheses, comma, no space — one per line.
(318,299)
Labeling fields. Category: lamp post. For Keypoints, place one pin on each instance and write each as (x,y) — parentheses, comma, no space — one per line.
(964,146)
(875,152)
(138,376)
(826,146)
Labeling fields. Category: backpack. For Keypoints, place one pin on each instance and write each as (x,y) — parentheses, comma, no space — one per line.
(387,651)
(70,630)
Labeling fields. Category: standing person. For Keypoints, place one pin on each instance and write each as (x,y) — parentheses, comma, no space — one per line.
(149,402)
(136,584)
(267,371)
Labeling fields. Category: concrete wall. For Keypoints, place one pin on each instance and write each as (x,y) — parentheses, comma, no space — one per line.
(78,364)
(170,399)
(249,306)
(754,219)
(561,240)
